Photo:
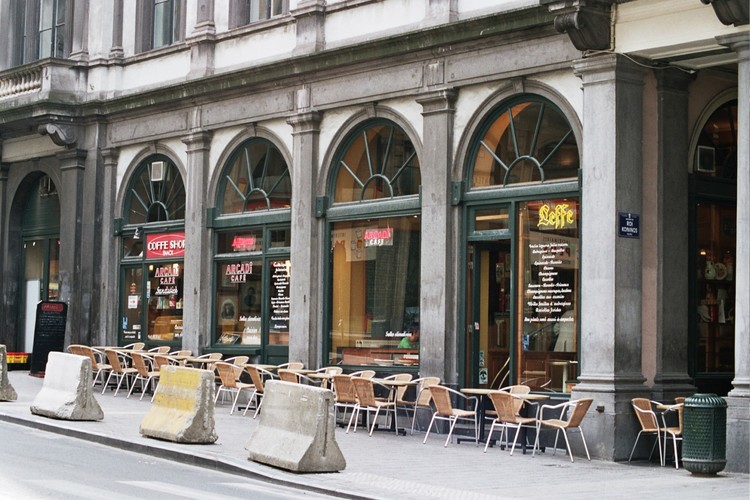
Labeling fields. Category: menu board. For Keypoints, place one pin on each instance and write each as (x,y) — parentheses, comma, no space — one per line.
(280,274)
(551,293)
(49,333)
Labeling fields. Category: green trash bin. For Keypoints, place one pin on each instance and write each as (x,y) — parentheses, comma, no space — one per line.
(704,441)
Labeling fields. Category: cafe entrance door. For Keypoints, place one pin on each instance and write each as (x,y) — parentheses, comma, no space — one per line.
(489,293)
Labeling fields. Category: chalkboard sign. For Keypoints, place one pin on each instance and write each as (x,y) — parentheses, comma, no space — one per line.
(49,333)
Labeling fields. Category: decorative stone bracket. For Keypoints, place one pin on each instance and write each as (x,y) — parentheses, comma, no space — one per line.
(61,134)
(588,23)
(735,12)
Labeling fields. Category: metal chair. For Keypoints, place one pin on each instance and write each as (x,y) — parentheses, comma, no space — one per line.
(423,399)
(649,424)
(144,372)
(367,401)
(119,370)
(229,375)
(508,417)
(675,432)
(444,410)
(258,376)
(580,407)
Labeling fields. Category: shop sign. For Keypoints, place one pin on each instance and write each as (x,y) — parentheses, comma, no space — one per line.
(379,237)
(163,245)
(556,216)
(629,225)
(243,243)
(237,273)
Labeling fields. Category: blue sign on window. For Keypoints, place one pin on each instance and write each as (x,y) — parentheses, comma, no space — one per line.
(629,225)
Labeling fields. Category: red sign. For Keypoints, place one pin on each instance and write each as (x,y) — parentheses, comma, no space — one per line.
(159,246)
(243,243)
(56,307)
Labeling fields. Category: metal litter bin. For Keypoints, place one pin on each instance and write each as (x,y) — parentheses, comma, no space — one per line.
(704,442)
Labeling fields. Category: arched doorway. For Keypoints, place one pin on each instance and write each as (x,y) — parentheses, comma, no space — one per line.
(40,254)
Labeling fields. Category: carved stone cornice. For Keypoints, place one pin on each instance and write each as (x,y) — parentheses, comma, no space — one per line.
(736,12)
(588,23)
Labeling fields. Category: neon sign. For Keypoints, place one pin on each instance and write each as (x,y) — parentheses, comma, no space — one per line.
(560,216)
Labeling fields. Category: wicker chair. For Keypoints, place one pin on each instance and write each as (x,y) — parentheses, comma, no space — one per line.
(294,365)
(649,424)
(294,377)
(507,410)
(444,410)
(119,370)
(423,399)
(518,403)
(329,371)
(344,393)
(97,361)
(675,432)
(238,360)
(364,374)
(258,376)
(229,375)
(368,402)
(144,372)
(135,346)
(162,349)
(580,407)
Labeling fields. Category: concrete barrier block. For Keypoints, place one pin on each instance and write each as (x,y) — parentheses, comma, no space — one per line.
(7,393)
(67,393)
(183,407)
(297,429)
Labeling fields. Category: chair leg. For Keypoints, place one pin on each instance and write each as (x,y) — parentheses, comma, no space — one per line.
(429,428)
(489,436)
(253,397)
(375,420)
(355,411)
(583,438)
(106,384)
(450,432)
(234,401)
(515,439)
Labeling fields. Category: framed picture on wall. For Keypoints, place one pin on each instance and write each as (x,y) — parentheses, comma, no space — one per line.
(705,160)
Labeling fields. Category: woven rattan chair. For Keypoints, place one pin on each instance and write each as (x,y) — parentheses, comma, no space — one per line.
(98,366)
(423,399)
(507,411)
(293,365)
(144,372)
(579,409)
(330,371)
(649,424)
(212,356)
(162,349)
(119,369)
(238,360)
(258,376)
(181,352)
(367,401)
(675,432)
(364,374)
(229,375)
(135,346)
(518,403)
(444,410)
(294,377)
(345,395)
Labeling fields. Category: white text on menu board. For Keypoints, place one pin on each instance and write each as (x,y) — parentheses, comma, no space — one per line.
(548,298)
(280,301)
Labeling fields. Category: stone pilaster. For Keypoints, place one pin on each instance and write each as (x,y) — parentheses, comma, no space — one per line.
(310,18)
(441,11)
(116,51)
(670,193)
(110,251)
(203,41)
(72,165)
(611,293)
(438,288)
(738,400)
(305,299)
(79,49)
(5,313)
(196,316)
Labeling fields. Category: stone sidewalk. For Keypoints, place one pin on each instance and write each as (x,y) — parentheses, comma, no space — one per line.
(386,465)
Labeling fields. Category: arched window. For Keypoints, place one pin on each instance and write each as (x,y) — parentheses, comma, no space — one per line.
(379,161)
(256,178)
(375,256)
(156,193)
(525,140)
(716,155)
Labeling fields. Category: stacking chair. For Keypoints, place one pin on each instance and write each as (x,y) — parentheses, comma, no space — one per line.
(238,360)
(344,393)
(162,349)
(518,403)
(649,425)
(364,374)
(444,410)
(97,363)
(294,377)
(161,360)
(144,372)
(423,399)
(181,352)
(674,432)
(212,356)
(580,407)
(368,402)
(119,370)
(229,374)
(294,365)
(135,346)
(508,417)
(330,371)
(76,349)
(258,376)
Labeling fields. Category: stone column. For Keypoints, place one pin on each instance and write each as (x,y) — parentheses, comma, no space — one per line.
(203,40)
(610,265)
(116,51)
(437,305)
(5,314)
(196,313)
(309,17)
(670,194)
(110,252)
(305,297)
(738,400)
(72,164)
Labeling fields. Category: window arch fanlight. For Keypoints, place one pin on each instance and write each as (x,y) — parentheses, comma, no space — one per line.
(377,161)
(255,178)
(156,192)
(716,152)
(527,139)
